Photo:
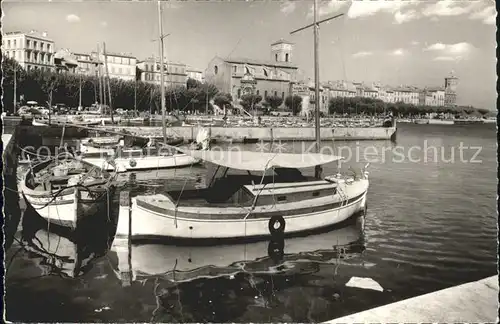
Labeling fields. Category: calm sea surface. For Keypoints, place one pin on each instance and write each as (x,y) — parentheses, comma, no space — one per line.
(431,224)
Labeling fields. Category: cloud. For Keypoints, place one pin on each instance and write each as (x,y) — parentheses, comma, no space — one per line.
(369,8)
(288,7)
(72,18)
(446,8)
(398,52)
(446,58)
(487,15)
(361,54)
(331,7)
(104,23)
(451,52)
(400,17)
(415,43)
(436,47)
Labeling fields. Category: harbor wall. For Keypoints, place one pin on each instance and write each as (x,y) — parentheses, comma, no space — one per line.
(473,302)
(12,211)
(268,134)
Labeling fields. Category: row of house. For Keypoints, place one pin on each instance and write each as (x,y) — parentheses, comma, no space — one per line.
(36,51)
(277,76)
(429,96)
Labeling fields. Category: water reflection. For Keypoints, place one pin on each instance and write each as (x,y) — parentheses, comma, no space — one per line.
(59,250)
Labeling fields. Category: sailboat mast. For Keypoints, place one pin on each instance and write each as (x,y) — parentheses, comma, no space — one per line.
(162,82)
(99,73)
(80,101)
(15,87)
(107,79)
(317,101)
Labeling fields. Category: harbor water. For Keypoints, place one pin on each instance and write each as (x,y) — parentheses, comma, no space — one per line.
(431,224)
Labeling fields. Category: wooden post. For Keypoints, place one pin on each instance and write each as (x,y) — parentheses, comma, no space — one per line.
(76,205)
(124,226)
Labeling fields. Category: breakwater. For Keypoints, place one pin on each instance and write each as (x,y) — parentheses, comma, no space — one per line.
(267,134)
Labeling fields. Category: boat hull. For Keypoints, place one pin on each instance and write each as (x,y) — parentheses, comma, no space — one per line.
(68,211)
(148,224)
(144,163)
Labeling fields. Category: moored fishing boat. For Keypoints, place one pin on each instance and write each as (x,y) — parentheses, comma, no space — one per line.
(64,190)
(250,206)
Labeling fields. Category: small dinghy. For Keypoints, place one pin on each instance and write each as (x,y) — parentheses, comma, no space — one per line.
(65,190)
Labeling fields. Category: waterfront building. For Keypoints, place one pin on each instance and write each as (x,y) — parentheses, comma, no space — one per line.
(86,64)
(406,94)
(65,61)
(450,86)
(342,89)
(195,74)
(273,77)
(432,97)
(175,74)
(119,65)
(33,50)
(306,90)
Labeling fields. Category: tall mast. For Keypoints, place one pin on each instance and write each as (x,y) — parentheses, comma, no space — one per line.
(317,101)
(162,82)
(99,73)
(135,97)
(80,101)
(107,79)
(15,87)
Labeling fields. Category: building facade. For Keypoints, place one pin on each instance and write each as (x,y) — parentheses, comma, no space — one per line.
(432,97)
(119,65)
(450,88)
(33,50)
(175,74)
(273,77)
(195,74)
(87,65)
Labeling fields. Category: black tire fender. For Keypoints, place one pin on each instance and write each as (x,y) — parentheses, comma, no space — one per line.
(276,219)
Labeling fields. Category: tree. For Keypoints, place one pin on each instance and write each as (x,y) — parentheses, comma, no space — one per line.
(192,83)
(294,103)
(274,101)
(222,99)
(250,100)
(8,67)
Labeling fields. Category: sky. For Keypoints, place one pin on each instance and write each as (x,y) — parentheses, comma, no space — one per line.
(411,42)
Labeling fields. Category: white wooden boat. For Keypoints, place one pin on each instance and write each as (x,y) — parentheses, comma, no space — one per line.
(186,263)
(249,206)
(38,123)
(148,158)
(125,160)
(65,191)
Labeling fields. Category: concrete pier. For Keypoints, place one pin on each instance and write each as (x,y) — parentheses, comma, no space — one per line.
(474,302)
(266,134)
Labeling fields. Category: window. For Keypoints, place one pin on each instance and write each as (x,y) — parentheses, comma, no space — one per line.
(235,69)
(239,93)
(216,70)
(275,93)
(112,70)
(265,72)
(35,45)
(8,43)
(276,57)
(283,95)
(41,46)
(286,57)
(119,70)
(265,94)
(28,56)
(28,67)
(15,44)
(258,92)
(35,57)
(48,47)
(28,43)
